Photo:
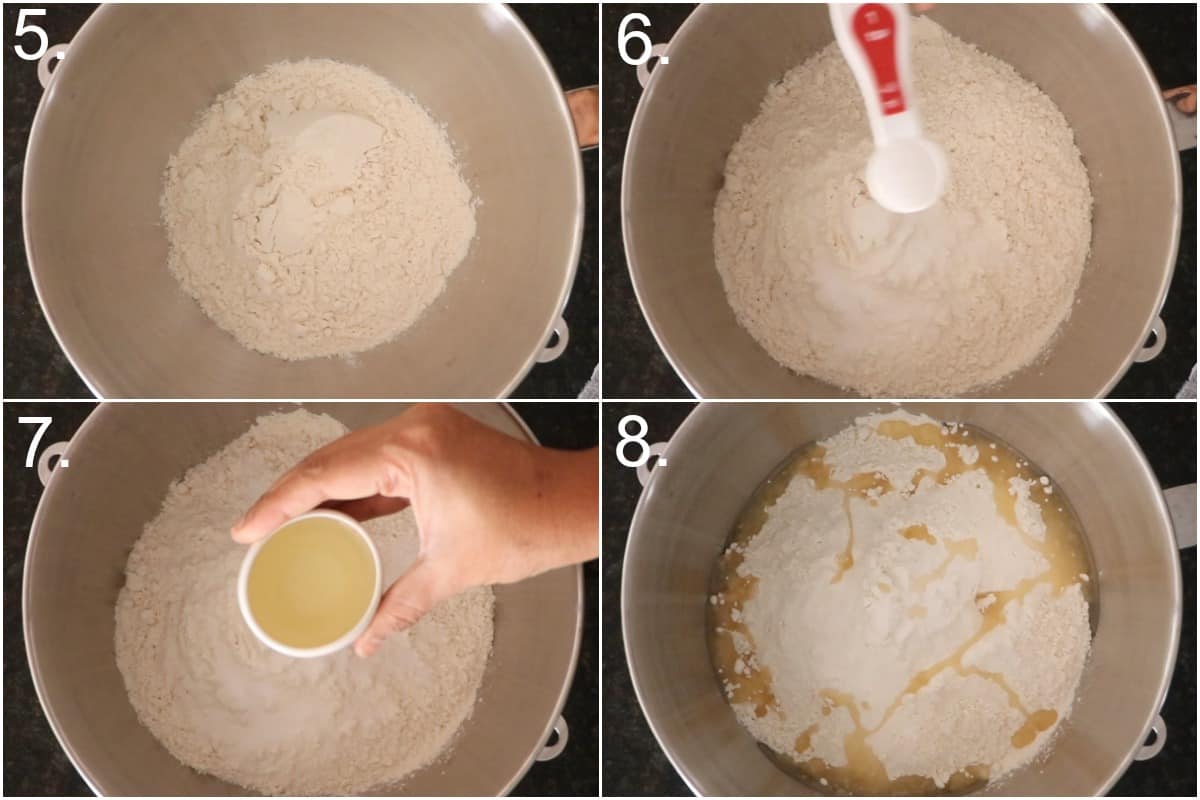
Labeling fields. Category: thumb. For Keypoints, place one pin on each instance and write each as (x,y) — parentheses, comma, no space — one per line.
(405,602)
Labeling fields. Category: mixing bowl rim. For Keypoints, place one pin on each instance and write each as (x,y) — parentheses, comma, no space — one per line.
(93,380)
(569,678)
(31,660)
(692,381)
(638,526)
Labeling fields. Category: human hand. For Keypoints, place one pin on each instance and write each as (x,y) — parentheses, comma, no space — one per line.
(489,508)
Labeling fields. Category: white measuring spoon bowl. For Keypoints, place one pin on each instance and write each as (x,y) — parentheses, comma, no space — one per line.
(907,175)
(907,172)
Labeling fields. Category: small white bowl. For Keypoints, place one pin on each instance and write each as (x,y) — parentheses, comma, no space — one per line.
(342,641)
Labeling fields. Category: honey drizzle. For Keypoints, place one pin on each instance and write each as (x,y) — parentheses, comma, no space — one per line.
(864,484)
(1065,553)
(804,740)
(918,533)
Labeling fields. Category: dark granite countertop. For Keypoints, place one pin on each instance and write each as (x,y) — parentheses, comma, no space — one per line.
(634,367)
(35,764)
(635,765)
(568,35)
(34,365)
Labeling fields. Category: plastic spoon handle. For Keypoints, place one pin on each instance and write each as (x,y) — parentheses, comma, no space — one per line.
(874,40)
(907,172)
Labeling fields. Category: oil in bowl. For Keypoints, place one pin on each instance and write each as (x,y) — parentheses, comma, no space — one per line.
(310,587)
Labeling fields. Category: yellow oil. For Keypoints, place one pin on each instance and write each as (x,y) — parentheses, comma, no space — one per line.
(1064,549)
(311,583)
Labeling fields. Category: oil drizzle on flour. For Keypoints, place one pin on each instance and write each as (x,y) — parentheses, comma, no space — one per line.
(1052,533)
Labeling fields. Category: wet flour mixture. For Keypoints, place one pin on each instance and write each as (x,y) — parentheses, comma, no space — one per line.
(225,704)
(903,609)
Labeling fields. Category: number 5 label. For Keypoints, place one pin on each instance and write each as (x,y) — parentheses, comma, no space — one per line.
(24,28)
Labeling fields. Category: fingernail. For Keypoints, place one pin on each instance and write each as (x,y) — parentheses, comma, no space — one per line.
(237,526)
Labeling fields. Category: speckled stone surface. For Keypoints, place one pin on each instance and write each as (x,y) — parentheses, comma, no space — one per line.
(35,764)
(568,35)
(633,762)
(635,765)
(1167,435)
(1167,38)
(635,368)
(34,365)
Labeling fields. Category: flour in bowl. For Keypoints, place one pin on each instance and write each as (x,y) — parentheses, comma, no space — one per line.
(315,210)
(928,304)
(224,703)
(903,609)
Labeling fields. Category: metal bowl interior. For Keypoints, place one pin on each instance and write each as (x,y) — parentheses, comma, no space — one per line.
(721,62)
(129,91)
(122,460)
(723,451)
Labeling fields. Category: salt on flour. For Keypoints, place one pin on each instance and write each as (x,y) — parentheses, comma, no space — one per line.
(223,703)
(927,304)
(842,646)
(315,210)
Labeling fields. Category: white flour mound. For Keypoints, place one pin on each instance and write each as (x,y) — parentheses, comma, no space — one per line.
(223,703)
(316,210)
(933,303)
(858,634)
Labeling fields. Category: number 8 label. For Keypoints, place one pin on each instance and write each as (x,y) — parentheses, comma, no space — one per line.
(637,438)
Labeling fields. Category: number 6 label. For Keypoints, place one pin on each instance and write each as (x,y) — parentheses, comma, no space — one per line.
(624,35)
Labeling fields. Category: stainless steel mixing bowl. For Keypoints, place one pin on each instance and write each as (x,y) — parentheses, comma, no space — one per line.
(723,451)
(122,460)
(721,61)
(128,92)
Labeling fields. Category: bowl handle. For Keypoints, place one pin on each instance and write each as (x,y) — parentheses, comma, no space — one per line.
(1148,352)
(44,470)
(1147,751)
(52,54)
(554,750)
(643,470)
(1181,505)
(658,52)
(553,351)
